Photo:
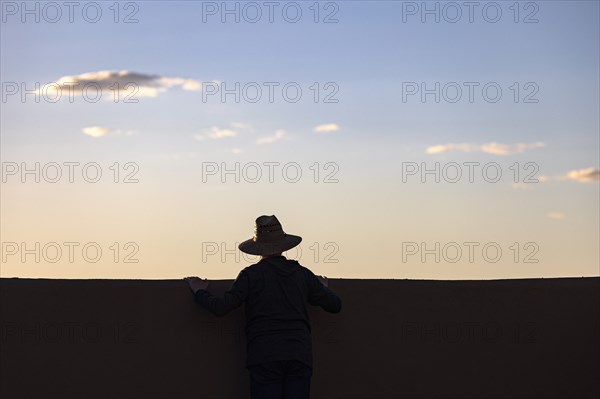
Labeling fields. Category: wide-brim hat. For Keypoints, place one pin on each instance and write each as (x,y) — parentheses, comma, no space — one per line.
(269,238)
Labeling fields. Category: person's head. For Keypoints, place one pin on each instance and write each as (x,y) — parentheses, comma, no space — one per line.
(269,238)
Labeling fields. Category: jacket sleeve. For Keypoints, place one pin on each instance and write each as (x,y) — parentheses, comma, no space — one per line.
(319,295)
(232,299)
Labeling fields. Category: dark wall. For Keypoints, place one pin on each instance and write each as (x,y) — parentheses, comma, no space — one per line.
(393,339)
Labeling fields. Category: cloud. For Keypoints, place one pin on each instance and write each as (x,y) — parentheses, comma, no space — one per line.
(587,175)
(556,215)
(100,131)
(278,135)
(186,84)
(327,128)
(489,148)
(214,133)
(121,83)
(543,179)
(242,126)
(96,131)
(438,149)
(521,186)
(236,151)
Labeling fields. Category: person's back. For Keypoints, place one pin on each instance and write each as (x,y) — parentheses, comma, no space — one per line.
(275,292)
(277,321)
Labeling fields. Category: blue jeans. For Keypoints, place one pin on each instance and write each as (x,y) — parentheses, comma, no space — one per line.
(283,379)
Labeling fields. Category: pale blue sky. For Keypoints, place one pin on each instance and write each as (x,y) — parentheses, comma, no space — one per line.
(368,54)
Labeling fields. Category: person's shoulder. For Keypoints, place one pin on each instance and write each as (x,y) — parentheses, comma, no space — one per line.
(253,267)
(304,268)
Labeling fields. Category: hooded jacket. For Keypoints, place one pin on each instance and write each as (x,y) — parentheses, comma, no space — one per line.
(275,292)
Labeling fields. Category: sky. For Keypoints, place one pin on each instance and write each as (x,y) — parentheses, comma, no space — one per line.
(401,140)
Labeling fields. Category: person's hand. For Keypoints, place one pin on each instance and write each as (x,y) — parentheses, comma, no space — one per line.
(196,284)
(323,280)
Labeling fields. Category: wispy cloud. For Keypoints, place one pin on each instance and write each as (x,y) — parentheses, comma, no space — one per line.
(135,84)
(215,132)
(326,128)
(587,175)
(489,148)
(544,179)
(522,186)
(236,151)
(101,131)
(278,135)
(242,126)
(556,215)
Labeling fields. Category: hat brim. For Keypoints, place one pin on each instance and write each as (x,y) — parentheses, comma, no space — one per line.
(268,248)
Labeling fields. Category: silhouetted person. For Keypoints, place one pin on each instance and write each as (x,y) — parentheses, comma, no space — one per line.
(275,292)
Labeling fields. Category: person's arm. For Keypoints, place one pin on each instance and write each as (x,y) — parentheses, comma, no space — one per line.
(232,299)
(320,295)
